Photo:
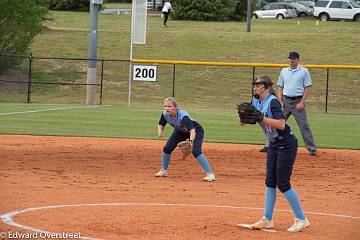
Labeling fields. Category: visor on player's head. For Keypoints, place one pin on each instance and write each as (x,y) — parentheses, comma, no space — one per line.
(254,83)
(265,83)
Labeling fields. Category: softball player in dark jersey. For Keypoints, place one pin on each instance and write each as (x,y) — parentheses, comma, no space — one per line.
(281,156)
(184,128)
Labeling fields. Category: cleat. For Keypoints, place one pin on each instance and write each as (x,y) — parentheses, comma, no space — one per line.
(312,152)
(263,223)
(209,177)
(161,173)
(299,225)
(264,149)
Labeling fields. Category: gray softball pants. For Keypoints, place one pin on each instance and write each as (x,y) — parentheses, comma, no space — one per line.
(301,120)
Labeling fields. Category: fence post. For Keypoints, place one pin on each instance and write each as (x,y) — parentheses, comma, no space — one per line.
(101,81)
(327,90)
(253,73)
(130,76)
(29,79)
(173,90)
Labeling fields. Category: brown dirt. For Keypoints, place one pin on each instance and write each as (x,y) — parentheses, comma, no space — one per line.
(43,171)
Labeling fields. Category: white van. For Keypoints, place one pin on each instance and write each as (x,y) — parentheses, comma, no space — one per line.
(279,10)
(327,10)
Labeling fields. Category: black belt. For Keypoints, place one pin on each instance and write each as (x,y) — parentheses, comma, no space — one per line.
(293,98)
(274,140)
(279,138)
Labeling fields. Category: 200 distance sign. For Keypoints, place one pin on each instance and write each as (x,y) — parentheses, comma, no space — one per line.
(144,73)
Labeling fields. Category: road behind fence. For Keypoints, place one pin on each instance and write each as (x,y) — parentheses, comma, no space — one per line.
(336,89)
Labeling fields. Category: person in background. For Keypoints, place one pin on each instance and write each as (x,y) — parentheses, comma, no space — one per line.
(167,8)
(294,85)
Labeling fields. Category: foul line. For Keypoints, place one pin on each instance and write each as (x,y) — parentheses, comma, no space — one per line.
(44,110)
(7,218)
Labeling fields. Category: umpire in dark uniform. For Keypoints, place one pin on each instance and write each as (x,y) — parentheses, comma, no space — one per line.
(294,85)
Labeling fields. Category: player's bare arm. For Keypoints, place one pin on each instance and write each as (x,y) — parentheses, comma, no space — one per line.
(275,123)
(192,134)
(280,94)
(160,131)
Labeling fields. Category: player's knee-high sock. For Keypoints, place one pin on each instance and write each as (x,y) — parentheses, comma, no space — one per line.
(204,163)
(294,202)
(270,199)
(165,160)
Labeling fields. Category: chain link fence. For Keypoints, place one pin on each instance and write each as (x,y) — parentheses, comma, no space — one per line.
(64,80)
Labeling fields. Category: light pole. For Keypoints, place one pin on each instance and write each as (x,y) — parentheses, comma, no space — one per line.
(248,16)
(92,48)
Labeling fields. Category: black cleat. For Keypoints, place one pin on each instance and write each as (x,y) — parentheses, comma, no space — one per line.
(312,152)
(264,149)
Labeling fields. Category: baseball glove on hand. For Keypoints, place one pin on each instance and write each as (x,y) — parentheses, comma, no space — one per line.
(185,148)
(249,114)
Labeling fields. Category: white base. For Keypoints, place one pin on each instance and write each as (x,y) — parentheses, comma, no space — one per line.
(248,226)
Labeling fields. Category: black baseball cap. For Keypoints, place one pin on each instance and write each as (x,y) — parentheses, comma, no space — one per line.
(293,55)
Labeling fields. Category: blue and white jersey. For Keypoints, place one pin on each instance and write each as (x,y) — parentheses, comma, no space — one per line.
(183,122)
(294,81)
(271,108)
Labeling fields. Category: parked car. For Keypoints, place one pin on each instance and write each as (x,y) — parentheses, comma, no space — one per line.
(302,10)
(279,10)
(327,10)
(158,4)
(309,4)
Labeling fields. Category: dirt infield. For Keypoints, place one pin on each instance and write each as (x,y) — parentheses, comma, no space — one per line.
(105,189)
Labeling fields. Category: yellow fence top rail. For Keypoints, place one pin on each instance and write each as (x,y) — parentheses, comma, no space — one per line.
(241,64)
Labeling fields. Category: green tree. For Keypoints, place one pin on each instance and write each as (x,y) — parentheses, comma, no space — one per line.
(240,11)
(207,10)
(210,10)
(20,22)
(73,5)
(117,1)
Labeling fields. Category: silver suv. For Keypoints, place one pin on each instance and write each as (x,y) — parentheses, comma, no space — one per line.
(337,9)
(277,10)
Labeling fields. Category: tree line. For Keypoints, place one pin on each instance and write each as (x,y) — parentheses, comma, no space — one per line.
(211,10)
(22,20)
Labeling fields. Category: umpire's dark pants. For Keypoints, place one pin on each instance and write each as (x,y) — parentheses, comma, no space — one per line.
(178,136)
(281,157)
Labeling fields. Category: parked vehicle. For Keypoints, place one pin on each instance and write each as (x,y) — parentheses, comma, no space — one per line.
(309,4)
(158,4)
(327,10)
(302,10)
(279,10)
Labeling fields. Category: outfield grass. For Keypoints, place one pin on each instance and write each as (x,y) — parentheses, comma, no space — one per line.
(221,125)
(268,42)
(118,5)
(66,35)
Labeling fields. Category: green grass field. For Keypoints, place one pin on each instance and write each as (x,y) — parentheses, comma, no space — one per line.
(66,35)
(118,5)
(268,42)
(330,131)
